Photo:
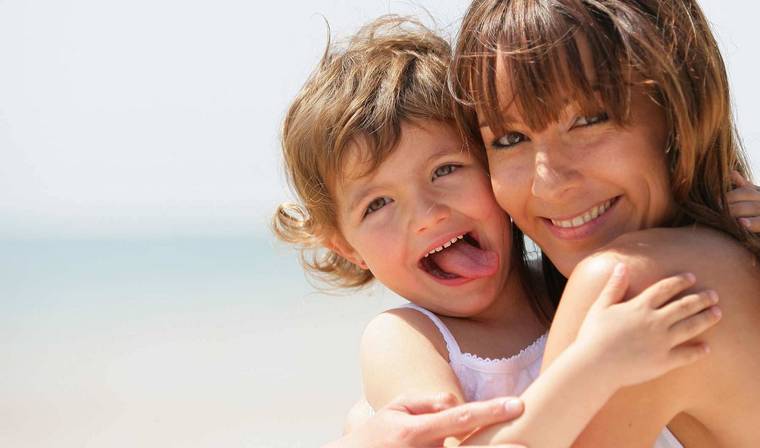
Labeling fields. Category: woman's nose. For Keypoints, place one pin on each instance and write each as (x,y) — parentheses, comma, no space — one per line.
(554,174)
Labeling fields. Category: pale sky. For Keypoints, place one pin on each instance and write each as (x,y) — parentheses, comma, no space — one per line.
(160,117)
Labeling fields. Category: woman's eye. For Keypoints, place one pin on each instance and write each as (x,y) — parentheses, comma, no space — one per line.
(377,204)
(509,139)
(444,170)
(591,120)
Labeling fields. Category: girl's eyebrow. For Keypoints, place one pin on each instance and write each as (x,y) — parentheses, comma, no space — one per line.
(357,198)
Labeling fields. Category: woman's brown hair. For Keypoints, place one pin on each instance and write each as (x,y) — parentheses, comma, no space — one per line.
(663,47)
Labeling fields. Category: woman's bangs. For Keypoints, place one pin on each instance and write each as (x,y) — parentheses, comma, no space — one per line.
(539,61)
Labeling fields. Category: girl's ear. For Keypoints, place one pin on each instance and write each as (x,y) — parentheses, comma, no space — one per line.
(339,245)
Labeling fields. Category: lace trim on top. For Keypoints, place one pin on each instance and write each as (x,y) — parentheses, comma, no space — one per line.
(527,356)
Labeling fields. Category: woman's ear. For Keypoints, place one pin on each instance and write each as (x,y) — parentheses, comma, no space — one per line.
(339,245)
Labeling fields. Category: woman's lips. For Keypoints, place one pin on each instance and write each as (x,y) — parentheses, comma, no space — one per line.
(583,224)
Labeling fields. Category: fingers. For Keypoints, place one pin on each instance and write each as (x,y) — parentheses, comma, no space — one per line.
(745,208)
(744,202)
(615,288)
(497,446)
(688,306)
(743,194)
(424,404)
(664,290)
(688,353)
(751,224)
(739,180)
(467,417)
(695,325)
(747,213)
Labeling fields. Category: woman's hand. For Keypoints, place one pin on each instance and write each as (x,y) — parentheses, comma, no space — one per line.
(744,202)
(427,421)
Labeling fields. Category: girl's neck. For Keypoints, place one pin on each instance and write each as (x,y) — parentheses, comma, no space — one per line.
(503,329)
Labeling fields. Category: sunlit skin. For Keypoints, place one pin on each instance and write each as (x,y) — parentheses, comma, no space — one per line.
(553,176)
(577,163)
(428,191)
(552,182)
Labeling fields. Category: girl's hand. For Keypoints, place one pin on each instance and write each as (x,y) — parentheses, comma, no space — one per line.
(650,334)
(427,421)
(744,202)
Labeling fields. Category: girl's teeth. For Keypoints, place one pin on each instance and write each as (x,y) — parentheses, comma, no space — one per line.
(578,221)
(446,244)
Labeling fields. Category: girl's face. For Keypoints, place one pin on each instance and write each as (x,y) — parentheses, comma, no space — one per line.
(582,181)
(429,195)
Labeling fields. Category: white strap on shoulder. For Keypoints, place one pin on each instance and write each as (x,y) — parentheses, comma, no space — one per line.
(451,344)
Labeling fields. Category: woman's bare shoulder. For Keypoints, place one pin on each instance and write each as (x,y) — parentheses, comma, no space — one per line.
(719,263)
(680,245)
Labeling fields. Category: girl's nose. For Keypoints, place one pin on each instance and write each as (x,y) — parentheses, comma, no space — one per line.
(429,214)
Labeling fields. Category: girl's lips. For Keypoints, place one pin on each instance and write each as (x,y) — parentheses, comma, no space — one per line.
(452,281)
(470,262)
(442,241)
(584,230)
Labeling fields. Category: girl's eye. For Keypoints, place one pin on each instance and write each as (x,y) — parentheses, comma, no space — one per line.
(377,204)
(444,170)
(591,120)
(509,139)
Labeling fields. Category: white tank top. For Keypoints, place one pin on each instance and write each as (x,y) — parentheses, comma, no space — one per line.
(484,378)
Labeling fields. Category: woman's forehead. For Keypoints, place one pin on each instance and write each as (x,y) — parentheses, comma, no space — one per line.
(536,91)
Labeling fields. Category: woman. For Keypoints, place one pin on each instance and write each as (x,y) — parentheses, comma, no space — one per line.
(602,119)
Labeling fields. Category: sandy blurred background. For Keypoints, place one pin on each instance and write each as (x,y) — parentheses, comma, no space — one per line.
(143,301)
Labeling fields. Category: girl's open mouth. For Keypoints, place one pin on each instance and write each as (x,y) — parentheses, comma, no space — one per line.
(462,259)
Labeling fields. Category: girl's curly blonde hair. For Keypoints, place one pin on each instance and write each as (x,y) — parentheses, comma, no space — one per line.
(393,70)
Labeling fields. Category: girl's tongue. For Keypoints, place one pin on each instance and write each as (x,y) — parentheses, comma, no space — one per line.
(465,260)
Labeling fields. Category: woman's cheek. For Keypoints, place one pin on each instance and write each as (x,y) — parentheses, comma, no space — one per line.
(506,181)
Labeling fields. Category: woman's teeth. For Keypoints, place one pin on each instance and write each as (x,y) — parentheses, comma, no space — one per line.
(445,245)
(579,220)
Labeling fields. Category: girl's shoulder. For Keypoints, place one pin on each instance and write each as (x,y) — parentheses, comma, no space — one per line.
(403,324)
(402,352)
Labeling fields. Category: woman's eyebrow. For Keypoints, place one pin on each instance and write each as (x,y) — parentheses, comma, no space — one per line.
(506,120)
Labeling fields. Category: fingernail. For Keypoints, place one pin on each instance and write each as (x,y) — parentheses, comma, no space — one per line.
(716,311)
(513,405)
(691,277)
(745,222)
(713,296)
(618,270)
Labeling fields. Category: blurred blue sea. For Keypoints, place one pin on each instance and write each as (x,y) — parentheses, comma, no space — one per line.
(172,342)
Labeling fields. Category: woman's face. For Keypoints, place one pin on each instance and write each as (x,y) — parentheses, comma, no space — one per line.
(582,181)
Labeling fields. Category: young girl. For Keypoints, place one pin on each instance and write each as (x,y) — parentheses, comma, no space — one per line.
(390,191)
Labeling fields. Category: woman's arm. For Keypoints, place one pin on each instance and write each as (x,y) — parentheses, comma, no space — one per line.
(426,421)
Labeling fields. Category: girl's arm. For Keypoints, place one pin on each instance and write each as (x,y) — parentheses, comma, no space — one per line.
(403,353)
(636,415)
(619,344)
